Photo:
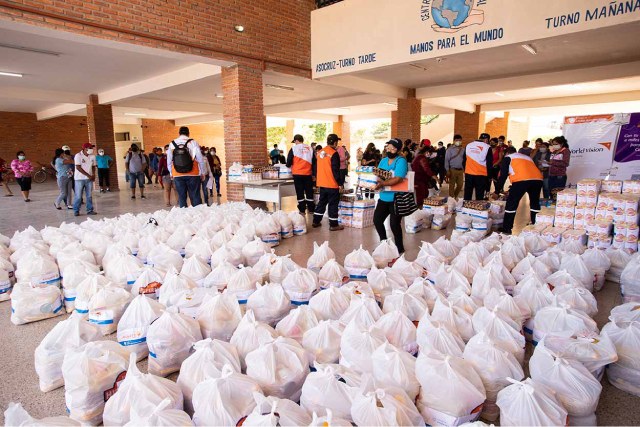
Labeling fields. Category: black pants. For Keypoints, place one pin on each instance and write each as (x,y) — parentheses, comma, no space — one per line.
(103,177)
(477,183)
(331,197)
(383,210)
(146,174)
(304,192)
(517,190)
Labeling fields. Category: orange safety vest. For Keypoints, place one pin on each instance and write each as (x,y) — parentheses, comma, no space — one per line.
(302,158)
(325,178)
(522,168)
(476,152)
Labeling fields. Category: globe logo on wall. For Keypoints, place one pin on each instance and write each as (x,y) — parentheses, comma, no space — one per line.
(451,16)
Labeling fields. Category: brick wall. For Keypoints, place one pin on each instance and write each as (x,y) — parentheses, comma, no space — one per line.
(468,125)
(100,127)
(39,139)
(498,126)
(408,118)
(278,32)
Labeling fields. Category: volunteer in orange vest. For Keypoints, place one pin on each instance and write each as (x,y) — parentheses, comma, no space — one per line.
(186,182)
(327,173)
(526,178)
(300,160)
(477,161)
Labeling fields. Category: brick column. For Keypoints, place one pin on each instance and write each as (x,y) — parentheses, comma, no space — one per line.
(394,124)
(343,130)
(469,125)
(245,127)
(408,121)
(100,127)
(498,126)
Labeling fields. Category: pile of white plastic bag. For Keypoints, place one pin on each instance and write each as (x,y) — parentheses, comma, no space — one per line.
(259,339)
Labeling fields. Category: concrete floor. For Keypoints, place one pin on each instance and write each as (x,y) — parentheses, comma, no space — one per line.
(17,343)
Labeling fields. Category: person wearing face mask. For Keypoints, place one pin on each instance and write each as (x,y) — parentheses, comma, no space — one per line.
(385,206)
(216,169)
(207,183)
(300,160)
(136,164)
(22,169)
(453,166)
(478,161)
(559,162)
(541,159)
(104,162)
(64,174)
(84,177)
(441,153)
(326,169)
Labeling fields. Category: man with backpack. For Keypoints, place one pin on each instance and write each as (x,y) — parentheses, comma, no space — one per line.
(136,163)
(186,166)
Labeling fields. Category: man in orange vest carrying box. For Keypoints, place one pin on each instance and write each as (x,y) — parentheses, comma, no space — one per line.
(525,177)
(477,162)
(300,160)
(327,172)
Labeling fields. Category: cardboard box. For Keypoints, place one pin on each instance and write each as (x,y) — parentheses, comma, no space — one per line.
(436,210)
(476,213)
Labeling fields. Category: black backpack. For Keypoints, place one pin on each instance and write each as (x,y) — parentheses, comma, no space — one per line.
(182,160)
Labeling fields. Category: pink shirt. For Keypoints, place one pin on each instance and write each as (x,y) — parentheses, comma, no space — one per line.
(21,169)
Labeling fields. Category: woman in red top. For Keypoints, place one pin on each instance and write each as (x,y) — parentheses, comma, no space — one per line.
(423,174)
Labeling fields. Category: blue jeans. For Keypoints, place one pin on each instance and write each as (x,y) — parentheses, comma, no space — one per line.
(217,179)
(65,184)
(80,185)
(545,188)
(190,184)
(136,176)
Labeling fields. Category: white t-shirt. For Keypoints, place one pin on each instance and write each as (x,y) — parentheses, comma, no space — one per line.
(87,163)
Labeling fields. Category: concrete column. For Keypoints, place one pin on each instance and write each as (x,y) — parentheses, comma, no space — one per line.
(408,122)
(245,127)
(100,127)
(469,125)
(291,124)
(343,130)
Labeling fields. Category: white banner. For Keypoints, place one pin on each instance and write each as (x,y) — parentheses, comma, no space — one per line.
(356,35)
(591,142)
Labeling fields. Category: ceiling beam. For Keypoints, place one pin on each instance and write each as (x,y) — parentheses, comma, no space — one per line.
(604,98)
(34,94)
(169,105)
(367,116)
(451,103)
(305,115)
(346,101)
(554,78)
(162,81)
(59,110)
(367,86)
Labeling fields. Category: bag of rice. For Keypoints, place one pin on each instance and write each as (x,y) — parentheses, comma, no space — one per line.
(170,339)
(218,316)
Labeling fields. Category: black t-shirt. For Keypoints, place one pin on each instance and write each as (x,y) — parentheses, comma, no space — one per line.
(368,156)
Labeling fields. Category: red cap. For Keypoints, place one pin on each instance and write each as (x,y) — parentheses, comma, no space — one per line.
(426,142)
(87,145)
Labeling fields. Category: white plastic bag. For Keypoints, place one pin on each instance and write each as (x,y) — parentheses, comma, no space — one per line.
(388,406)
(447,279)
(399,331)
(224,401)
(619,260)
(448,250)
(134,324)
(280,268)
(575,387)
(15,415)
(254,250)
(624,331)
(459,394)
(29,304)
(396,368)
(530,263)
(271,411)
(219,316)
(250,335)
(357,344)
(300,284)
(71,277)
(170,339)
(279,367)
(195,269)
(467,263)
(577,298)
(39,270)
(630,282)
(86,290)
(321,255)
(107,306)
(174,283)
(297,322)
(561,319)
(330,303)
(575,266)
(219,276)
(599,263)
(323,341)
(408,303)
(408,270)
(148,283)
(530,402)
(385,254)
(200,246)
(269,303)
(207,361)
(513,307)
(147,414)
(323,391)
(92,374)
(228,254)
(328,420)
(299,223)
(332,274)
(363,310)
(456,317)
(124,270)
(358,264)
(384,281)
(438,337)
(71,333)
(136,390)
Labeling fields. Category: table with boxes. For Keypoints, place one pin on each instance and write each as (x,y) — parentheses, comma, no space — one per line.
(597,213)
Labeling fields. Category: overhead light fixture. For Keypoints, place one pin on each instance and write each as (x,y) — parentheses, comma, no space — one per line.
(219,95)
(7,73)
(279,87)
(500,94)
(532,50)
(28,49)
(239,28)
(135,114)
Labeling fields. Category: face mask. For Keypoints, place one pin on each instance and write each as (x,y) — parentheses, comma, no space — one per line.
(212,152)
(89,150)
(68,152)
(392,155)
(457,143)
(555,147)
(21,157)
(543,149)
(101,153)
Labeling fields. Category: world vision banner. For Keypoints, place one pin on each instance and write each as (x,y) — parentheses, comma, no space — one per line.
(626,161)
(592,142)
(356,35)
